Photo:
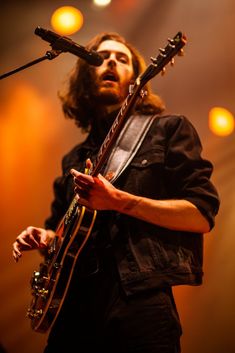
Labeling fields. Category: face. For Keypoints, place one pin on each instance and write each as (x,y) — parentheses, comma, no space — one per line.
(115,74)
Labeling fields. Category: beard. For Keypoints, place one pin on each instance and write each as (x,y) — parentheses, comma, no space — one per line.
(108,97)
(110,93)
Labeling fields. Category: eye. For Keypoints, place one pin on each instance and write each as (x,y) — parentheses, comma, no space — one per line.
(104,54)
(123,59)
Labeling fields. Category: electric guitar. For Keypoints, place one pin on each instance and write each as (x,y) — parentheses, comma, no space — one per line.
(50,283)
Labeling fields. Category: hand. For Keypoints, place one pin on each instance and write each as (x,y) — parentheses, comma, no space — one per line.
(31,238)
(94,192)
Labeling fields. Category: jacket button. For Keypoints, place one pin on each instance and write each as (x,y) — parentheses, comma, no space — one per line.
(144,161)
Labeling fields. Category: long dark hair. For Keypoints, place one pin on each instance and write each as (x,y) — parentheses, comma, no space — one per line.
(77,102)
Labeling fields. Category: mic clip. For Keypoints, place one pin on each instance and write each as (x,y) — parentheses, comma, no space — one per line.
(53,53)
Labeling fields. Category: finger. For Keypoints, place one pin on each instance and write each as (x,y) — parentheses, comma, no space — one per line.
(82,194)
(27,240)
(74,172)
(87,179)
(43,244)
(81,176)
(23,244)
(16,256)
(16,252)
(16,248)
(82,200)
(82,184)
(98,181)
(38,236)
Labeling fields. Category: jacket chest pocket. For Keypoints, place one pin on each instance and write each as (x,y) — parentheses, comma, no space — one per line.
(149,158)
(147,172)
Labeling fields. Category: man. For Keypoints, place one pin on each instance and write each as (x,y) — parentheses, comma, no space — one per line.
(148,236)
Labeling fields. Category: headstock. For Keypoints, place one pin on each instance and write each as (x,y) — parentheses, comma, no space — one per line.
(175,46)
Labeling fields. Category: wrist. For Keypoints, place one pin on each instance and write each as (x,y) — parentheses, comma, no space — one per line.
(125,202)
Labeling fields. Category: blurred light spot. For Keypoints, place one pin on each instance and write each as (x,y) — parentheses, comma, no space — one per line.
(21,134)
(221,121)
(67,20)
(101,2)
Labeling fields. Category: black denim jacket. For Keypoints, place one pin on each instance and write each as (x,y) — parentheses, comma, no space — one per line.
(168,165)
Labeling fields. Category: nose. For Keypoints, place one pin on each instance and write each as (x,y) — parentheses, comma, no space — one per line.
(112,60)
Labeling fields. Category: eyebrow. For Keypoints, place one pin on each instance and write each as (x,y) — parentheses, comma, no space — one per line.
(115,51)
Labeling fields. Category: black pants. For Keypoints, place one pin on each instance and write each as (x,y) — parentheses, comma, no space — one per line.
(99,318)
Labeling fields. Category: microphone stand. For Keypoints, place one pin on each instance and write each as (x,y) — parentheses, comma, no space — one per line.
(50,54)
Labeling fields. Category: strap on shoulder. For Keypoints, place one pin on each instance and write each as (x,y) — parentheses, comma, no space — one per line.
(127,145)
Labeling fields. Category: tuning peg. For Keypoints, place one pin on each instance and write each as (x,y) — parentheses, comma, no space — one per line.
(172,61)
(163,71)
(162,51)
(154,60)
(171,42)
(181,52)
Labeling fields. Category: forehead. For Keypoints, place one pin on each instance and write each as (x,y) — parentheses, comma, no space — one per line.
(112,45)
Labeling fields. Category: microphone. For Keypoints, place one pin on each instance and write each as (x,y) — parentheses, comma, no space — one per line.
(66,44)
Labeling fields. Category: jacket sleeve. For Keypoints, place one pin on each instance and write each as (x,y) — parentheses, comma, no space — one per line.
(63,190)
(187,172)
(58,205)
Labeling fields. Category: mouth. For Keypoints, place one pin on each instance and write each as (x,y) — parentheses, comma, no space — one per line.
(110,76)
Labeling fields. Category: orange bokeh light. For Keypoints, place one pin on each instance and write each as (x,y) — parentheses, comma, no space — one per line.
(67,20)
(221,121)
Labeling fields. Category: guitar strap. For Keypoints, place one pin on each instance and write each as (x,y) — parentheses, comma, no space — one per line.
(127,144)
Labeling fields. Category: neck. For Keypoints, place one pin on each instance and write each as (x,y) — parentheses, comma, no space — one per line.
(102,124)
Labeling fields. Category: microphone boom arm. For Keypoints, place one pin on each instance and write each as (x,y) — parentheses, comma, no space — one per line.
(50,54)
(60,45)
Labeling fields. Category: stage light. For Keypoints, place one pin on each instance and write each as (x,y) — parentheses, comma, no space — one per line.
(67,20)
(101,3)
(221,121)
